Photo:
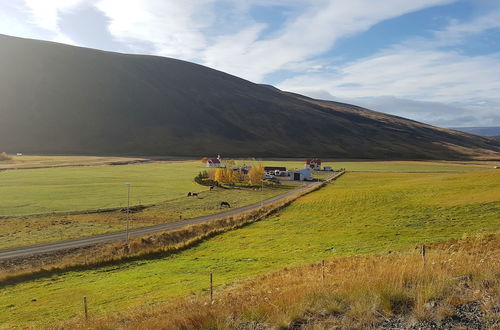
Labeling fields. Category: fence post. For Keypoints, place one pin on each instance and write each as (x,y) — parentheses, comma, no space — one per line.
(323,270)
(211,287)
(423,251)
(85,307)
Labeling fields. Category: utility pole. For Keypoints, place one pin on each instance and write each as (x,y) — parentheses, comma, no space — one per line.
(262,193)
(128,208)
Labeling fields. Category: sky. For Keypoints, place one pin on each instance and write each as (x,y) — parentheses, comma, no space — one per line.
(435,61)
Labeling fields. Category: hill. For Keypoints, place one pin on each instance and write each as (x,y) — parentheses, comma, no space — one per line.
(491,131)
(60,99)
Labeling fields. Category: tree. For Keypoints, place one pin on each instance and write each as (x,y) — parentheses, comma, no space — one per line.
(219,175)
(256,174)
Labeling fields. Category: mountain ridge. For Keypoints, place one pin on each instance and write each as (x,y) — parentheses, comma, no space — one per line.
(60,99)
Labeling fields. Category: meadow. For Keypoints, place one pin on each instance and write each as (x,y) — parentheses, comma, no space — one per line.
(358,214)
(29,230)
(32,161)
(48,190)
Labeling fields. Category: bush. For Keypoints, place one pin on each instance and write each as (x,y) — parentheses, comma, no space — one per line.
(203,179)
(4,156)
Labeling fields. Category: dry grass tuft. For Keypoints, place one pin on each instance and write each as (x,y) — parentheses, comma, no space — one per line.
(356,292)
(4,156)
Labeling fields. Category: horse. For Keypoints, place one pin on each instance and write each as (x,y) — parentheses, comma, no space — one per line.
(194,194)
(212,188)
(189,194)
(225,204)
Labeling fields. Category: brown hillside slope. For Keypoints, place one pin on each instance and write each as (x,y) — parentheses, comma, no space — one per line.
(60,99)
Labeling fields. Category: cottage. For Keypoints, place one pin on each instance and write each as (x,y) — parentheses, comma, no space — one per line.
(313,164)
(214,162)
(301,175)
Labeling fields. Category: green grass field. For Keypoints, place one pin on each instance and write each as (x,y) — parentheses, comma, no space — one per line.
(20,231)
(39,191)
(359,213)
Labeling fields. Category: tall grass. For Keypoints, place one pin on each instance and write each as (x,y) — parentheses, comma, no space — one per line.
(356,292)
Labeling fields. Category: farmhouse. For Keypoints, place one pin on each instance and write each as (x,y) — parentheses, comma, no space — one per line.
(313,164)
(302,175)
(214,162)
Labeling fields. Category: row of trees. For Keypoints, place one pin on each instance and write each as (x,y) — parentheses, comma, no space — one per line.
(229,176)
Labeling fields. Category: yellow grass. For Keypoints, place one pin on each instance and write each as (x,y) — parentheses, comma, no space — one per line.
(356,292)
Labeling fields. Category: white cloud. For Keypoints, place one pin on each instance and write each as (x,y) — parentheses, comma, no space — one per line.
(433,81)
(177,29)
(45,14)
(174,28)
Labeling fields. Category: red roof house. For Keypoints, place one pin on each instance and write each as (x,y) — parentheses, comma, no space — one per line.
(313,164)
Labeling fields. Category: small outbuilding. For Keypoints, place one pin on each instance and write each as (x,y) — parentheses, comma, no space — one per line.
(275,170)
(327,168)
(301,175)
(313,164)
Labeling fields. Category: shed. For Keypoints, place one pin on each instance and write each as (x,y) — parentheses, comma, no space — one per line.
(302,175)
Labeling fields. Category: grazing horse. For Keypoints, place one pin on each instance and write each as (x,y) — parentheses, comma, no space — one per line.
(189,194)
(194,194)
(225,204)
(212,188)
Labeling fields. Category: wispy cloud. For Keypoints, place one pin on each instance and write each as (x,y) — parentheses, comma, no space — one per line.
(176,29)
(424,73)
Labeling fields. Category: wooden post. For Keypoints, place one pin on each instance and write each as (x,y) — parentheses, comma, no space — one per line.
(85,307)
(423,253)
(322,270)
(211,287)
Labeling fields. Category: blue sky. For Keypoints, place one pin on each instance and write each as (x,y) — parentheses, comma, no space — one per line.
(436,61)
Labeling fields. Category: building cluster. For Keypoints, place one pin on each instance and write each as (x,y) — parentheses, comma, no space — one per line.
(272,172)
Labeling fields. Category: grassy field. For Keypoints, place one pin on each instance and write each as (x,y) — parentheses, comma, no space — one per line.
(28,230)
(47,190)
(94,187)
(29,161)
(360,213)
(359,292)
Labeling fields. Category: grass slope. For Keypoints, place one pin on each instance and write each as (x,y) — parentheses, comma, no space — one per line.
(454,290)
(60,99)
(360,213)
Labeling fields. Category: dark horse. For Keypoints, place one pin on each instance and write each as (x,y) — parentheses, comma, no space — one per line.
(192,194)
(225,204)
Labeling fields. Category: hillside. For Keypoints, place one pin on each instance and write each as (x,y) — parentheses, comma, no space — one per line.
(491,131)
(59,99)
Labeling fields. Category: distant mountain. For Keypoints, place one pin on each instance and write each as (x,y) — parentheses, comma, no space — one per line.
(60,99)
(481,131)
